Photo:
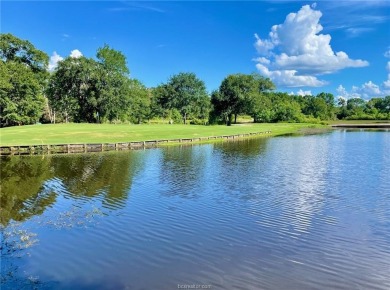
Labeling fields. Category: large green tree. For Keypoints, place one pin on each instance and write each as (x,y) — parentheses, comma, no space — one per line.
(240,94)
(186,93)
(88,90)
(113,84)
(23,74)
(72,89)
(13,49)
(262,109)
(139,101)
(320,106)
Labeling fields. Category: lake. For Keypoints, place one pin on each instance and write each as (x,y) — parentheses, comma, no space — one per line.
(297,212)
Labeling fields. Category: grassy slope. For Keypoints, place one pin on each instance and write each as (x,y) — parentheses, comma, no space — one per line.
(109,133)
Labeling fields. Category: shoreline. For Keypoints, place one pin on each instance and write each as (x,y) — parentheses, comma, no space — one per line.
(77,148)
(82,133)
(119,146)
(150,136)
(363,126)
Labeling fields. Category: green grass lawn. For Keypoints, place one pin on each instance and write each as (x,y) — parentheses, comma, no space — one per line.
(111,133)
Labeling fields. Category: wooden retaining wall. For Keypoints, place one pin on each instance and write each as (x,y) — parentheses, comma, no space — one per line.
(101,147)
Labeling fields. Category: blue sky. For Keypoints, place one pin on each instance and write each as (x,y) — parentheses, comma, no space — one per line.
(341,47)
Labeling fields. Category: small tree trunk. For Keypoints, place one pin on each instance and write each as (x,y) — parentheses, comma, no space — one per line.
(235,118)
(185,118)
(230,118)
(49,111)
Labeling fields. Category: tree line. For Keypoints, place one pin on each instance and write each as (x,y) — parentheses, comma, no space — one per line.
(100,89)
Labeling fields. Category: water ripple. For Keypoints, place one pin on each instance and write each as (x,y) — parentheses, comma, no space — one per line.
(281,213)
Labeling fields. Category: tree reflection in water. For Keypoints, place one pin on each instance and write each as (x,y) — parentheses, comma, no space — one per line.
(30,185)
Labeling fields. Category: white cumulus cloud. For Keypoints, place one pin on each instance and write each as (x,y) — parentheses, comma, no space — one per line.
(289,78)
(76,53)
(344,94)
(366,91)
(54,59)
(304,93)
(301,92)
(295,52)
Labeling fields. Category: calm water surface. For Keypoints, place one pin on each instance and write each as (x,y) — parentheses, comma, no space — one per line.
(309,212)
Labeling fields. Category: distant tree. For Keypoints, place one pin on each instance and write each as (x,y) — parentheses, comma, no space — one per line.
(386,105)
(329,112)
(161,106)
(156,110)
(354,108)
(86,90)
(286,111)
(317,107)
(372,108)
(355,103)
(240,93)
(202,110)
(342,102)
(13,49)
(113,97)
(183,92)
(341,112)
(22,79)
(328,98)
(219,108)
(381,104)
(235,91)
(262,108)
(72,89)
(284,108)
(139,101)
(113,61)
